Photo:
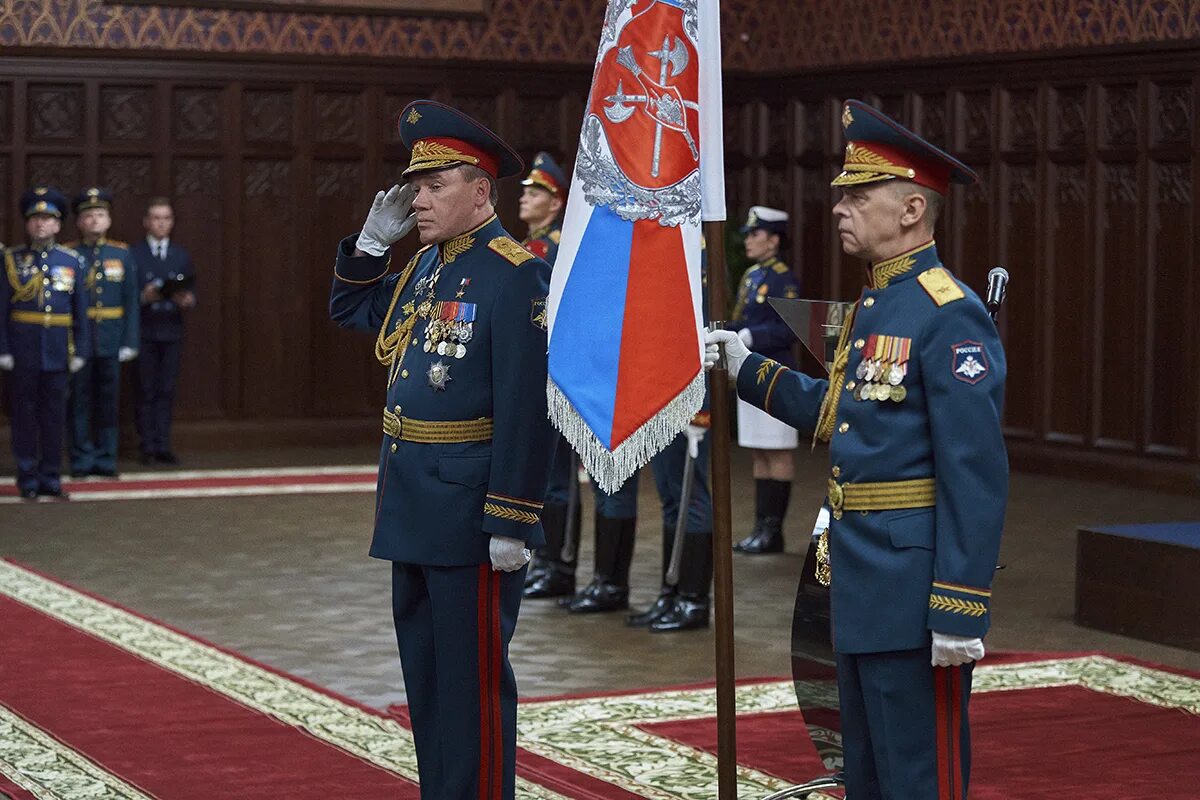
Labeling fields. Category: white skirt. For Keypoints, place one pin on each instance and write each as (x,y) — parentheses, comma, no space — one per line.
(760,431)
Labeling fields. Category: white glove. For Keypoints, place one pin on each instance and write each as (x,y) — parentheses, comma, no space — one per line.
(77,363)
(954,651)
(390,219)
(695,435)
(125,354)
(736,351)
(508,554)
(747,337)
(822,523)
(6,362)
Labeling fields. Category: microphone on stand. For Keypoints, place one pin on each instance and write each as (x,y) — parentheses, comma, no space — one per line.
(996,290)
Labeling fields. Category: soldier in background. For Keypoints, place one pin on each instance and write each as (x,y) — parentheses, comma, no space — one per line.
(770,441)
(550,574)
(43,334)
(111,284)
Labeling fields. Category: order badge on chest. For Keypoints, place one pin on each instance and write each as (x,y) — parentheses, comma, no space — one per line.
(450,328)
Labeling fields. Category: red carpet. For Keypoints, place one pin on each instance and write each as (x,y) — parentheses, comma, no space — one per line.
(99,702)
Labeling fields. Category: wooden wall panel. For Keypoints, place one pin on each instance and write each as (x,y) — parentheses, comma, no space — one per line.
(1088,197)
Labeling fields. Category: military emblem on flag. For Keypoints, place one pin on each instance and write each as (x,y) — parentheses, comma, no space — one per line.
(625,297)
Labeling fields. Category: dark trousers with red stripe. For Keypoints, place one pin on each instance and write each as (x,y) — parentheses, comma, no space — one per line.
(905,734)
(453,625)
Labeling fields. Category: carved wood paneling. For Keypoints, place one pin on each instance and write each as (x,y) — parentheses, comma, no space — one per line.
(196,115)
(267,179)
(267,116)
(65,173)
(337,179)
(338,117)
(6,115)
(127,176)
(126,113)
(1069,117)
(55,112)
(1120,116)
(1173,113)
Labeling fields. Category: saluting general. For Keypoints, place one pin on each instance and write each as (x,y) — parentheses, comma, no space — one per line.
(43,334)
(919,476)
(466,441)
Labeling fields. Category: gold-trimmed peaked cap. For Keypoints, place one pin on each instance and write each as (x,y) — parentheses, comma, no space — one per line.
(92,197)
(878,149)
(440,137)
(546,174)
(43,200)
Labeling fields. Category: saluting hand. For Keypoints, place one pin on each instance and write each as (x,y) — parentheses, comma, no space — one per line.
(390,219)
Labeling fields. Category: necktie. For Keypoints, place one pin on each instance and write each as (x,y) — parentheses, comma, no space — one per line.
(162,251)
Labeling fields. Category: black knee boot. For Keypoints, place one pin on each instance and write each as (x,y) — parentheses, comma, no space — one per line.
(691,608)
(609,589)
(773,499)
(554,577)
(666,594)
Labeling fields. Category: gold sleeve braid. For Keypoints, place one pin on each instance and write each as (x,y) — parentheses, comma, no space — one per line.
(837,378)
(389,345)
(22,292)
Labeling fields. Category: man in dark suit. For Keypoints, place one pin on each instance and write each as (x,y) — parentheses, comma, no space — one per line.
(165,275)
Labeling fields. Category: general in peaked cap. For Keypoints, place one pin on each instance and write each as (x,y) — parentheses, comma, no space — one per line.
(546,174)
(880,149)
(918,477)
(92,197)
(43,200)
(440,137)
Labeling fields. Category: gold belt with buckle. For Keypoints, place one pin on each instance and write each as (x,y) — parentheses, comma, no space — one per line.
(436,431)
(44,318)
(886,496)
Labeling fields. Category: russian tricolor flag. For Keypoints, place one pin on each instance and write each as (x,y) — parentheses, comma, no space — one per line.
(625,297)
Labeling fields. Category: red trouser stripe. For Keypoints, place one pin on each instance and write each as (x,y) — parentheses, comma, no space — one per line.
(482,626)
(497,778)
(947,690)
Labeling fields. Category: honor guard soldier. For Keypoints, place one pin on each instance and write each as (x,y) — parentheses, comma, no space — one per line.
(919,475)
(466,443)
(166,278)
(550,574)
(111,285)
(770,441)
(44,334)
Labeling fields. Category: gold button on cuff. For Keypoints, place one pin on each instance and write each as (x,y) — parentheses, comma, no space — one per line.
(837,471)
(858,344)
(870,301)
(845,426)
(394,448)
(48,308)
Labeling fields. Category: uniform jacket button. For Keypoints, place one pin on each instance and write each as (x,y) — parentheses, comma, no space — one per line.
(837,471)
(845,426)
(858,344)
(397,409)
(403,373)
(394,448)
(870,301)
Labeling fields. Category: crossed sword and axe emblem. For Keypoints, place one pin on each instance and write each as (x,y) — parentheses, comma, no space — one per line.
(664,103)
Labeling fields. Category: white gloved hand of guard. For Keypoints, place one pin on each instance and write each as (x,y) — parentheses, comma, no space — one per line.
(822,523)
(747,337)
(390,219)
(7,362)
(736,351)
(126,354)
(77,363)
(695,435)
(508,554)
(954,651)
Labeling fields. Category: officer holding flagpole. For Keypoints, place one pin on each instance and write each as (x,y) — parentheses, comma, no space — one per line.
(919,476)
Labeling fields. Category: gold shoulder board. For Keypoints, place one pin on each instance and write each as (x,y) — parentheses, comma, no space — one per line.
(71,244)
(555,236)
(118,243)
(781,267)
(69,251)
(940,286)
(510,250)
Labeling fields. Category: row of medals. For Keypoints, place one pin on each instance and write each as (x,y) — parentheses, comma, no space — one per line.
(448,337)
(880,380)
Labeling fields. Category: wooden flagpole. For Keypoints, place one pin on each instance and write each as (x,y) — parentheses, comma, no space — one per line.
(722,539)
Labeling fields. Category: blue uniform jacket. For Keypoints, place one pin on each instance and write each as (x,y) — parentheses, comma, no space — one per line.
(543,242)
(899,574)
(772,337)
(161,321)
(440,503)
(43,307)
(112,287)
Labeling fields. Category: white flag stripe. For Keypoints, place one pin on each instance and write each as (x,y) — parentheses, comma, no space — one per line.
(712,107)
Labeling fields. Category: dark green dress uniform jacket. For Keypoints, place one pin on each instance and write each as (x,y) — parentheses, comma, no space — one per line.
(898,574)
(112,287)
(439,503)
